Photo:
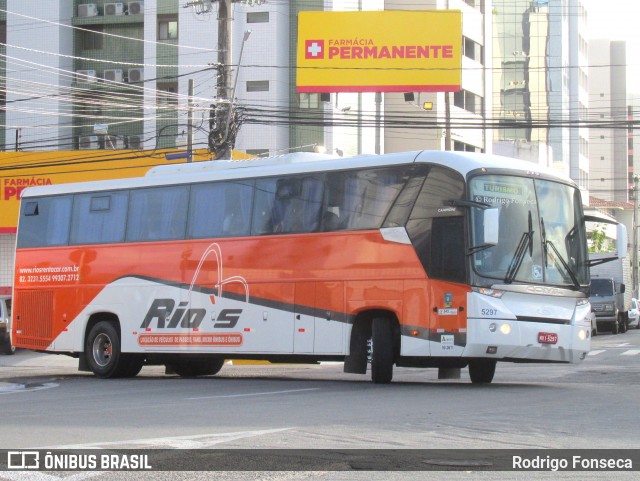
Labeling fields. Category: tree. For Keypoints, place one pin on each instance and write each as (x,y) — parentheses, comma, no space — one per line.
(598,241)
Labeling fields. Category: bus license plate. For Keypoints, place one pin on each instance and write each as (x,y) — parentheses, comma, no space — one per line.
(547,338)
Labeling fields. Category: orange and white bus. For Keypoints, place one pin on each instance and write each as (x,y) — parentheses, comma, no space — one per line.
(419,259)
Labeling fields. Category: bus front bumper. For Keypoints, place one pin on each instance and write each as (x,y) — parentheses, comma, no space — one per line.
(513,340)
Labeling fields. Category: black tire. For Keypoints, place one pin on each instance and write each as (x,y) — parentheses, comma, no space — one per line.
(381,350)
(614,328)
(134,366)
(196,367)
(622,323)
(7,347)
(482,371)
(103,355)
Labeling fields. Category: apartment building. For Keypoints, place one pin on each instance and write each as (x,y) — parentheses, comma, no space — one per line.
(540,83)
(112,75)
(466,123)
(612,175)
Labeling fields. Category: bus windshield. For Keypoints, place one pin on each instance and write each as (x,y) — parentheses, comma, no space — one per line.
(540,238)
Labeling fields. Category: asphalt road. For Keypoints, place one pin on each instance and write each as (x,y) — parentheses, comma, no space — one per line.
(46,403)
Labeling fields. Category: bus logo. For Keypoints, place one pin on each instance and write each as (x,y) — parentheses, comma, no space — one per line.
(167,315)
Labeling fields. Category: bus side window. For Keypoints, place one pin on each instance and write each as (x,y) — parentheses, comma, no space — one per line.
(45,222)
(220,209)
(263,200)
(368,196)
(304,215)
(437,229)
(158,213)
(287,205)
(99,218)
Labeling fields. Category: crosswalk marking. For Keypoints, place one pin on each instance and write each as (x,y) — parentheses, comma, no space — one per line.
(631,352)
(595,353)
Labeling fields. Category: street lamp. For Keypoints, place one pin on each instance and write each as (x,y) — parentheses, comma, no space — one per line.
(245,37)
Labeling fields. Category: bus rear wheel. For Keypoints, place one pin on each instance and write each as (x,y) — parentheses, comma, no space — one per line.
(482,371)
(103,354)
(196,367)
(381,350)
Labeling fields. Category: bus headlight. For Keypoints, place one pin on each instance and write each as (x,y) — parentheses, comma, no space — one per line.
(504,328)
(583,334)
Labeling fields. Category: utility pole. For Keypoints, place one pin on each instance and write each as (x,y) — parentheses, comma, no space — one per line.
(190,123)
(447,121)
(634,254)
(378,122)
(223,110)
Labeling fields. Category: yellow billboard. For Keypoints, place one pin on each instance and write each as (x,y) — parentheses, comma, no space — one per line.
(380,51)
(19,170)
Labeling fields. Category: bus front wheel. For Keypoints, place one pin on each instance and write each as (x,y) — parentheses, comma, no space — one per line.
(381,350)
(482,371)
(103,354)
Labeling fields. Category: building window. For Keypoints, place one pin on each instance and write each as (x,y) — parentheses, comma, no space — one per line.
(478,4)
(468,101)
(473,50)
(167,93)
(258,86)
(309,101)
(167,27)
(257,17)
(92,37)
(462,147)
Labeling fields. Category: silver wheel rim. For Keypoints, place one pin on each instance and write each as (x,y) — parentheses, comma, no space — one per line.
(102,349)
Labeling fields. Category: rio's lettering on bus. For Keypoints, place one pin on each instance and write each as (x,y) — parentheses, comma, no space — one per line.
(166,315)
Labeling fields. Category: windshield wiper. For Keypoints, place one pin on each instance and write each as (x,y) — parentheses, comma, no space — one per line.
(557,258)
(526,242)
(478,248)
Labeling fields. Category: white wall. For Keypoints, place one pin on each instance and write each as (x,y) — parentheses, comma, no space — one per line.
(265,57)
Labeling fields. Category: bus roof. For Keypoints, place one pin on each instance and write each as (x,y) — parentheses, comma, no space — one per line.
(463,162)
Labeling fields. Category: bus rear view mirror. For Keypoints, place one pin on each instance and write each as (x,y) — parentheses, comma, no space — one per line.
(621,242)
(490,221)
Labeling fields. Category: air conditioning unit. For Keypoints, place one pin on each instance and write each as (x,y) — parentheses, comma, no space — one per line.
(136,8)
(88,142)
(87,10)
(136,75)
(113,75)
(111,142)
(111,9)
(86,76)
(135,142)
